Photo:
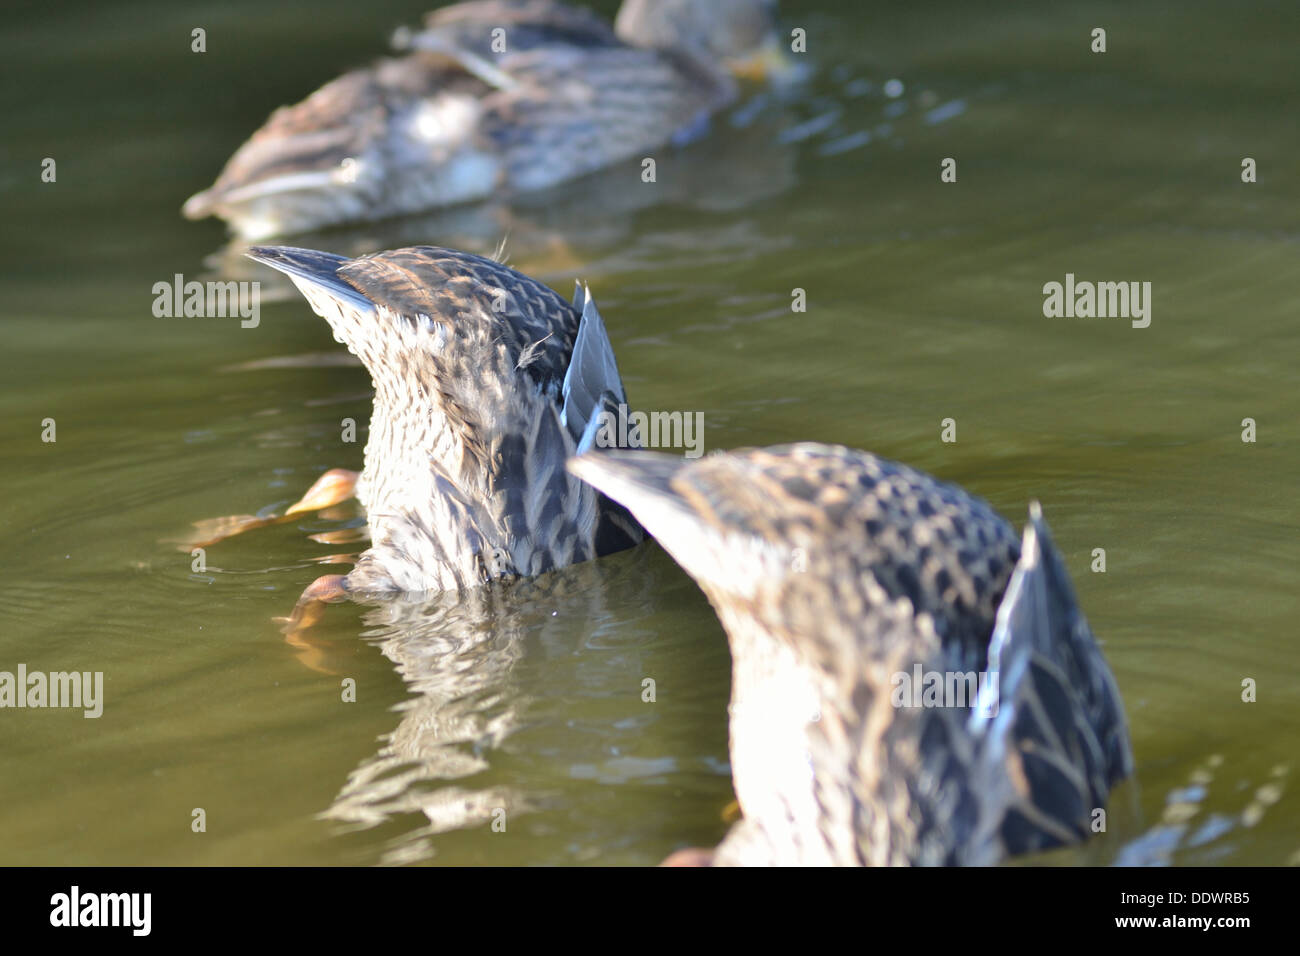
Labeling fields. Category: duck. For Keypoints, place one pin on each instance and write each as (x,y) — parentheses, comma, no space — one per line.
(843,580)
(486,381)
(492,98)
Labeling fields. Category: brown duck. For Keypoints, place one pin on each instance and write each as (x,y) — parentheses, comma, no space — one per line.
(841,578)
(494,97)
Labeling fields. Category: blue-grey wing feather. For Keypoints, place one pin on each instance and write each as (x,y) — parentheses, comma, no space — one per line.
(1058,740)
(592,372)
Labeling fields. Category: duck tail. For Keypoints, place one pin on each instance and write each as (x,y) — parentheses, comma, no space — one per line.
(642,481)
(199,206)
(312,271)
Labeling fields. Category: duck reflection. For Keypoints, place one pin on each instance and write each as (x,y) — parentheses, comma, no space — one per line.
(461,655)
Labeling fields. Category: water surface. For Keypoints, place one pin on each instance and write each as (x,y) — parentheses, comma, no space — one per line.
(924,303)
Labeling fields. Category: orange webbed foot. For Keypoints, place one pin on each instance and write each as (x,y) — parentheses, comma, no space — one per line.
(334,487)
(327,589)
(691,856)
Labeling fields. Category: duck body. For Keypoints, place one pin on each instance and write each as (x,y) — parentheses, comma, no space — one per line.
(840,578)
(495,97)
(486,381)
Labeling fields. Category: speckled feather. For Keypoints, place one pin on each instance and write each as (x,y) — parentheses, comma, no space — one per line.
(464,478)
(833,570)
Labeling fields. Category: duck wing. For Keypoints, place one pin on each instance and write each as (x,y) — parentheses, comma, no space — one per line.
(527,24)
(573,110)
(485,36)
(1055,740)
(591,383)
(569,95)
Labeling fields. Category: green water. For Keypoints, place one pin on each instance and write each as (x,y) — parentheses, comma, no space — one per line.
(924,303)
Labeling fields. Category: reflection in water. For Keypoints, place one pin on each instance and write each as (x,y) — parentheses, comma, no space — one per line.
(458,654)
(1184,825)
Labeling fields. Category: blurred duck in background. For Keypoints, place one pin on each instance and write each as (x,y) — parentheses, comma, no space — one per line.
(492,97)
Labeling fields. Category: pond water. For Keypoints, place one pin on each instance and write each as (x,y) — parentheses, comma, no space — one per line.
(924,302)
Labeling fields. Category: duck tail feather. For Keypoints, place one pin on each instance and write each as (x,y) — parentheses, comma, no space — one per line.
(310,268)
(635,478)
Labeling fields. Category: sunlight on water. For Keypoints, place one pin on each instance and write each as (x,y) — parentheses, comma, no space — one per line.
(523,704)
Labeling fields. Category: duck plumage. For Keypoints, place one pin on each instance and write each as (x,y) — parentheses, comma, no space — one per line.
(838,576)
(486,381)
(494,97)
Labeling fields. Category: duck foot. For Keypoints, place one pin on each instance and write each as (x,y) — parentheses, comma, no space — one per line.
(296,628)
(691,856)
(334,487)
